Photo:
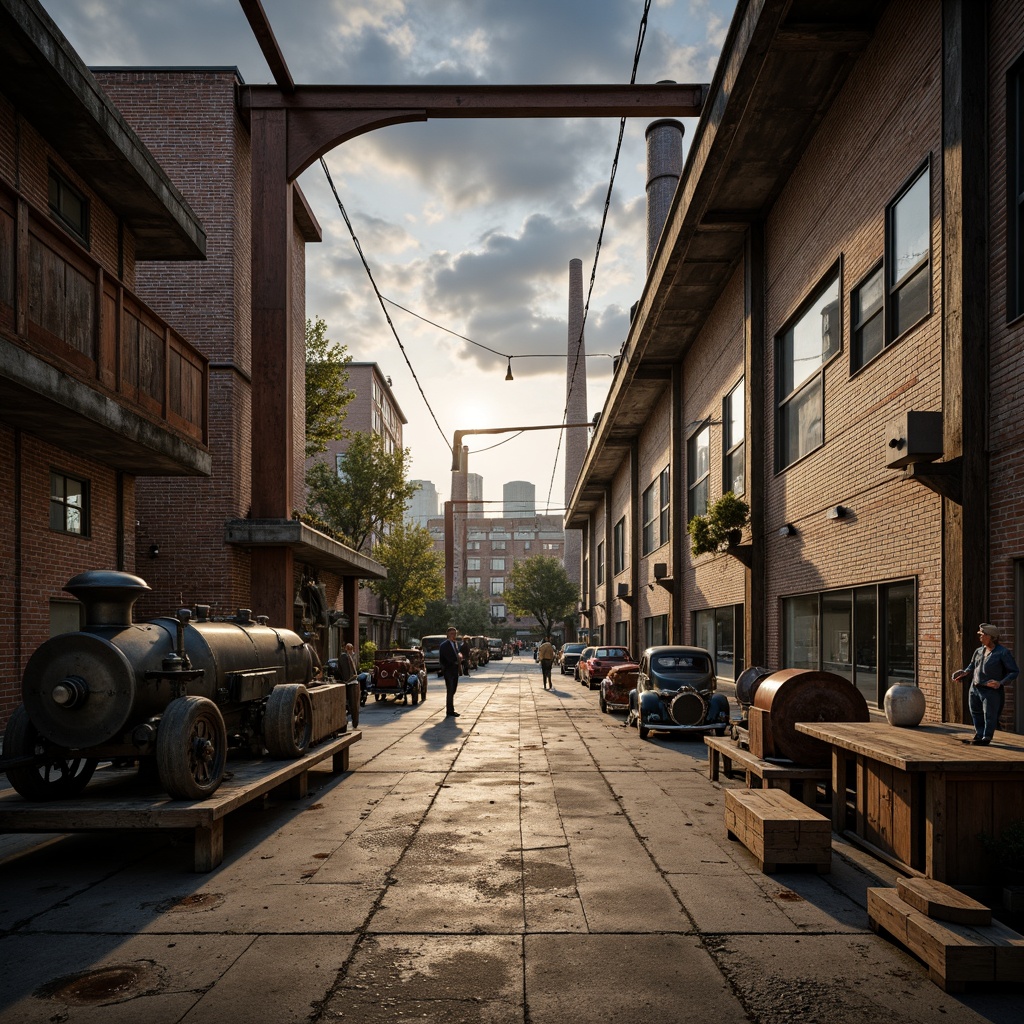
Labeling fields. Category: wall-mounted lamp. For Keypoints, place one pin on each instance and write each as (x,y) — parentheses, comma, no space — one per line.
(838,512)
(154,550)
(787,530)
(508,372)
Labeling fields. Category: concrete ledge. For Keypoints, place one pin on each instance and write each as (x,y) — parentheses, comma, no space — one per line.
(308,544)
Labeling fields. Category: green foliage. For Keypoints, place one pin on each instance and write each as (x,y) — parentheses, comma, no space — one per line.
(327,391)
(540,586)
(415,571)
(719,527)
(370,495)
(367,649)
(471,612)
(437,616)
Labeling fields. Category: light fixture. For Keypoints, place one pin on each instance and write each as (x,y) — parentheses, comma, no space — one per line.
(508,372)
(787,530)
(154,550)
(838,512)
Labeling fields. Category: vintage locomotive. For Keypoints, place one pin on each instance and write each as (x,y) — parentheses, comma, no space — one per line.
(172,691)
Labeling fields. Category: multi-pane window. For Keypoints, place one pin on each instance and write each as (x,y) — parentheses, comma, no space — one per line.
(734,432)
(600,563)
(622,633)
(908,254)
(339,465)
(649,516)
(867,322)
(1015,191)
(619,546)
(802,350)
(721,630)
(497,565)
(69,504)
(473,563)
(473,582)
(666,504)
(472,545)
(698,471)
(69,206)
(498,545)
(655,630)
(498,586)
(497,611)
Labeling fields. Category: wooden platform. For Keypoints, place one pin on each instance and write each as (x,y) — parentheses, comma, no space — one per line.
(777,829)
(794,779)
(118,801)
(955,954)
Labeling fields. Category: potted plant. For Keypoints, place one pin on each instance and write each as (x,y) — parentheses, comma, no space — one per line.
(720,529)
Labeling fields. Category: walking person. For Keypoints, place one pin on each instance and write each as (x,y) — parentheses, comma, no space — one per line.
(546,655)
(465,652)
(992,667)
(450,655)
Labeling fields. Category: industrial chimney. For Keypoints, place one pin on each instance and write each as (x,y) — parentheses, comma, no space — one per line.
(664,165)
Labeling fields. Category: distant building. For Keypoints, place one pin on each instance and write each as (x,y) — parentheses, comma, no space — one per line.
(423,505)
(519,499)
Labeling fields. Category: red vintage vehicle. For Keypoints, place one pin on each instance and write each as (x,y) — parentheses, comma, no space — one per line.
(600,661)
(615,687)
(400,673)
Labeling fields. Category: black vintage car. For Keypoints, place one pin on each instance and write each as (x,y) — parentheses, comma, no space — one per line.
(569,658)
(675,692)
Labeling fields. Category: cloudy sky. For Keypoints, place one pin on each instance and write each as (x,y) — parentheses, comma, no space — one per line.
(470,224)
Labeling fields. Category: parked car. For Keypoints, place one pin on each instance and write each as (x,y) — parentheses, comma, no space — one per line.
(431,646)
(578,669)
(616,687)
(496,648)
(602,659)
(399,673)
(675,692)
(569,657)
(483,655)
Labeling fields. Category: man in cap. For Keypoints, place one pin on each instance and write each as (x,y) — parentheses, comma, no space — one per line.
(991,668)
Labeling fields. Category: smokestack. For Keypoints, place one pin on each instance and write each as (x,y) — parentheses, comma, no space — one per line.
(664,166)
(575,412)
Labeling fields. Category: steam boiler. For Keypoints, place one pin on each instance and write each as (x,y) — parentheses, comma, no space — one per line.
(175,691)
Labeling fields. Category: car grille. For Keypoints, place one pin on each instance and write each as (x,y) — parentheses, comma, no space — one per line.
(687,708)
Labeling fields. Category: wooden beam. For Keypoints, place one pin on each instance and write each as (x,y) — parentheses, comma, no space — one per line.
(260,25)
(755,448)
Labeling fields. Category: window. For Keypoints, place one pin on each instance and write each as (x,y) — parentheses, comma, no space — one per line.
(666,503)
(497,565)
(472,545)
(497,611)
(69,504)
(619,547)
(720,630)
(1015,191)
(497,586)
(551,547)
(339,465)
(866,320)
(655,630)
(801,352)
(734,441)
(649,513)
(908,252)
(65,616)
(498,545)
(622,633)
(473,582)
(69,206)
(698,471)
(600,563)
(473,563)
(865,634)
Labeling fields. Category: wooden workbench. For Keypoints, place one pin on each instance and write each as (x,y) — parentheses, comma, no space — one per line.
(795,779)
(922,798)
(116,801)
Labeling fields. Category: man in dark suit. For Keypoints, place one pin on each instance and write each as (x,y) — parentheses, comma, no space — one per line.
(450,655)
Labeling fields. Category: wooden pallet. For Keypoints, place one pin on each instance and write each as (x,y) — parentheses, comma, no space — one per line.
(114,801)
(955,954)
(794,779)
(778,830)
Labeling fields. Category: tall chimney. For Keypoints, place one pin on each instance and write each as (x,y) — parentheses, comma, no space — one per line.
(575,412)
(664,165)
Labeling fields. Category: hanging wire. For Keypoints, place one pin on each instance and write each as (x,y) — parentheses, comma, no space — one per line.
(641,34)
(380,299)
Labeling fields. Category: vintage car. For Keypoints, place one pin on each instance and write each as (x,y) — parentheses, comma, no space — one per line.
(431,646)
(496,648)
(584,654)
(675,692)
(569,657)
(600,661)
(400,673)
(483,655)
(616,687)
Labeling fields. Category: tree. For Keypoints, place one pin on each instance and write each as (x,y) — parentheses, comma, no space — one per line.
(327,393)
(540,586)
(472,612)
(415,571)
(367,495)
(437,616)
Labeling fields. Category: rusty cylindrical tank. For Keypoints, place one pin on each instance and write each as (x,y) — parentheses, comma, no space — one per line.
(795,695)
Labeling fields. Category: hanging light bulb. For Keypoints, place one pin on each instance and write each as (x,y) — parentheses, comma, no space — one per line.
(508,372)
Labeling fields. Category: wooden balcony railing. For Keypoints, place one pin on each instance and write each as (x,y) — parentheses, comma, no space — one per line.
(58,302)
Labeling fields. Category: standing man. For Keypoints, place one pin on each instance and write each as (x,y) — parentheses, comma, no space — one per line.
(992,668)
(449,655)
(546,655)
(465,652)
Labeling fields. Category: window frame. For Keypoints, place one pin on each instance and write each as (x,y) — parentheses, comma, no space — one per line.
(56,179)
(732,449)
(665,512)
(619,560)
(1015,190)
(599,555)
(495,567)
(694,482)
(84,510)
(649,516)
(833,275)
(923,265)
(857,362)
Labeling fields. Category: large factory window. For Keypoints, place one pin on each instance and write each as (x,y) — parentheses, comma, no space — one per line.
(908,228)
(720,630)
(69,504)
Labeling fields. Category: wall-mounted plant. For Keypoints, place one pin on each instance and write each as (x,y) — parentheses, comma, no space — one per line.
(720,528)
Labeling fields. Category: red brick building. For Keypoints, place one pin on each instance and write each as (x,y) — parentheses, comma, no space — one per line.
(98,391)
(845,249)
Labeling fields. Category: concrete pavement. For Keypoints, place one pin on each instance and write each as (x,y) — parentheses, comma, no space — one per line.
(530,861)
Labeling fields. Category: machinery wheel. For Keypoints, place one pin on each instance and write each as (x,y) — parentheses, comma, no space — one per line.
(604,705)
(288,721)
(61,776)
(642,729)
(191,748)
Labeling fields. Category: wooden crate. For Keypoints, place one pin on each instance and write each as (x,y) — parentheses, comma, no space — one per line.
(955,954)
(778,829)
(759,733)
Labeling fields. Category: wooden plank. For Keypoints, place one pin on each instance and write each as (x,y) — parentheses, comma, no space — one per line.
(935,827)
(942,902)
(839,787)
